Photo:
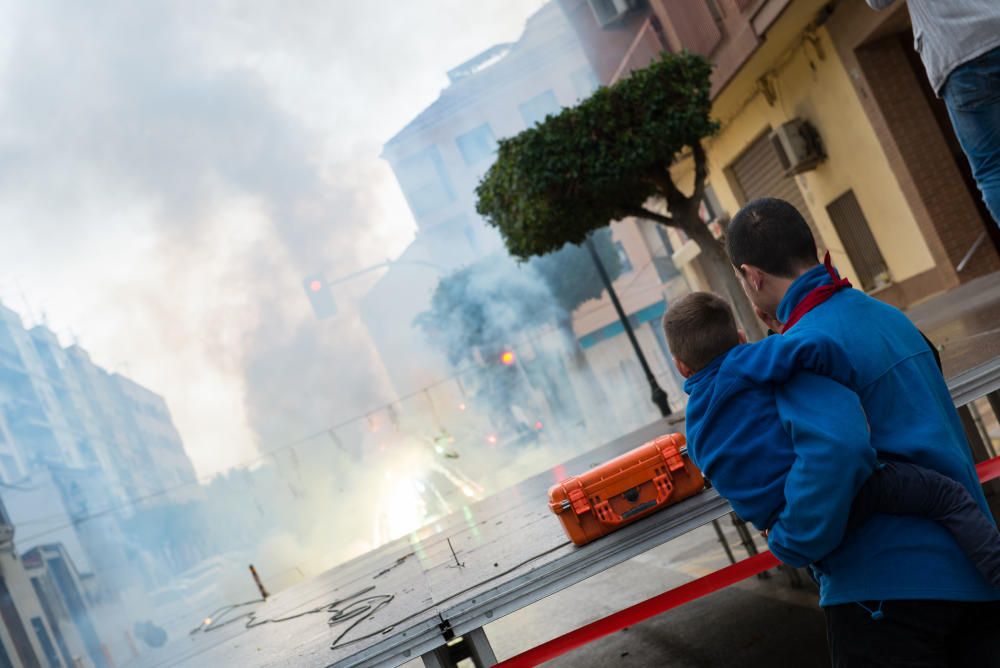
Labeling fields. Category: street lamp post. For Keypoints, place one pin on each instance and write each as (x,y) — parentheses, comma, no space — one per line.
(658,394)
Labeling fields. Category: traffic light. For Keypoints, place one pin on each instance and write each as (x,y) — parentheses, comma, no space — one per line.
(320,296)
(507,358)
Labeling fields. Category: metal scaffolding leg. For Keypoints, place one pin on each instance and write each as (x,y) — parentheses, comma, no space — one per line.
(747,540)
(473,645)
(981,451)
(479,647)
(722,539)
(794,576)
(434,660)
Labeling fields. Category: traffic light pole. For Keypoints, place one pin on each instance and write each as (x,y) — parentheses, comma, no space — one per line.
(317,287)
(383,265)
(658,394)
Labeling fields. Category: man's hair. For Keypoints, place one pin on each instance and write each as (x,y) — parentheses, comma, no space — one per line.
(699,328)
(771,234)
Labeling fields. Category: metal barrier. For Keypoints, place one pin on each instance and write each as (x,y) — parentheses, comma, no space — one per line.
(672,598)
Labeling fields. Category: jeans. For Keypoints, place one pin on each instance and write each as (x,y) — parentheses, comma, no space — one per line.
(931,634)
(972,95)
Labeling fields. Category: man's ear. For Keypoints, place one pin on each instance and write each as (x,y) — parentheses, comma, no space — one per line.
(754,276)
(683,368)
(742,335)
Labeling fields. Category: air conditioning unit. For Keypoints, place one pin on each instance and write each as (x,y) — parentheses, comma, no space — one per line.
(608,12)
(798,146)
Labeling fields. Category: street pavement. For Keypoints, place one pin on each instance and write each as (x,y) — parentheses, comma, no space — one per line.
(963,323)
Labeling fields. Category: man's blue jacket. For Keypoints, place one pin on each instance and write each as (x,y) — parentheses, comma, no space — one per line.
(791,456)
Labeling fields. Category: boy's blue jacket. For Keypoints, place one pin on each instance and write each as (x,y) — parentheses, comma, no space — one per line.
(735,433)
(797,463)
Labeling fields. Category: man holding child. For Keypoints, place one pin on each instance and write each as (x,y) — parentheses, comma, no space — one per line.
(840,438)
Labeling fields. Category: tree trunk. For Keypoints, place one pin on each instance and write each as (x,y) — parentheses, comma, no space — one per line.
(721,277)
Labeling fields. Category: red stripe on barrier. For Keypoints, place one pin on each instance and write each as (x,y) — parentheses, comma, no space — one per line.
(720,579)
(988,470)
(741,570)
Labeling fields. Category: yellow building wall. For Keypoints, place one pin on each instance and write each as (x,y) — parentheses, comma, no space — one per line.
(855,160)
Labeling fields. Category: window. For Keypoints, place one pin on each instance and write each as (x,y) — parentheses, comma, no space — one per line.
(46,598)
(477,144)
(668,246)
(425,181)
(584,82)
(859,244)
(537,108)
(623,257)
(8,348)
(46,642)
(48,360)
(710,209)
(15,627)
(664,264)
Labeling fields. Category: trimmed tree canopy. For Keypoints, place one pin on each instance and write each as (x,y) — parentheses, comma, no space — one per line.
(599,161)
(602,160)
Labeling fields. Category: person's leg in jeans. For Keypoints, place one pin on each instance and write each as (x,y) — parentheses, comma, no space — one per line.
(898,488)
(972,95)
(910,633)
(976,642)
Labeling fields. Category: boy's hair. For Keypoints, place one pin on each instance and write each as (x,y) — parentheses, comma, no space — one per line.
(771,234)
(699,328)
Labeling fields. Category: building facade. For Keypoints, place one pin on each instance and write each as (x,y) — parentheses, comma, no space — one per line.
(883,181)
(84,453)
(439,158)
(30,630)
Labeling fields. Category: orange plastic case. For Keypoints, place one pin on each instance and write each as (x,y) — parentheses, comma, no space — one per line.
(625,489)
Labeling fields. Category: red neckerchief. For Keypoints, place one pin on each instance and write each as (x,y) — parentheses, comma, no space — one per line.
(818,295)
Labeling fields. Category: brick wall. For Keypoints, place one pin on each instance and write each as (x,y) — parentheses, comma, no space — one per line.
(922,152)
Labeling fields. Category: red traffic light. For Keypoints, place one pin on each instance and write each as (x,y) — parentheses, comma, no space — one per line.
(507,357)
(320,296)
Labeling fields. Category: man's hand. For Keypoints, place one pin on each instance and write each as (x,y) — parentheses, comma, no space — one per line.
(772,322)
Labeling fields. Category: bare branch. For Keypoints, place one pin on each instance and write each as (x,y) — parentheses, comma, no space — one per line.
(643,212)
(665,183)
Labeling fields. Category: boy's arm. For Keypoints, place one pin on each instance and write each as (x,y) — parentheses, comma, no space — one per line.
(777,358)
(833,458)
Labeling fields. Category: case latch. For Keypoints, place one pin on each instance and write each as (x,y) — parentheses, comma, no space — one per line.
(675,462)
(578,498)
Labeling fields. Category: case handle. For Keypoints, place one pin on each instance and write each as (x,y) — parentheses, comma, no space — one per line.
(664,488)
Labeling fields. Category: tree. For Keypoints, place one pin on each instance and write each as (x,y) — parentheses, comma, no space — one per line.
(480,310)
(494,300)
(608,158)
(570,275)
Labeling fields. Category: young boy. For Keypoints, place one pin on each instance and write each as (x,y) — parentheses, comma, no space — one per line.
(736,436)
